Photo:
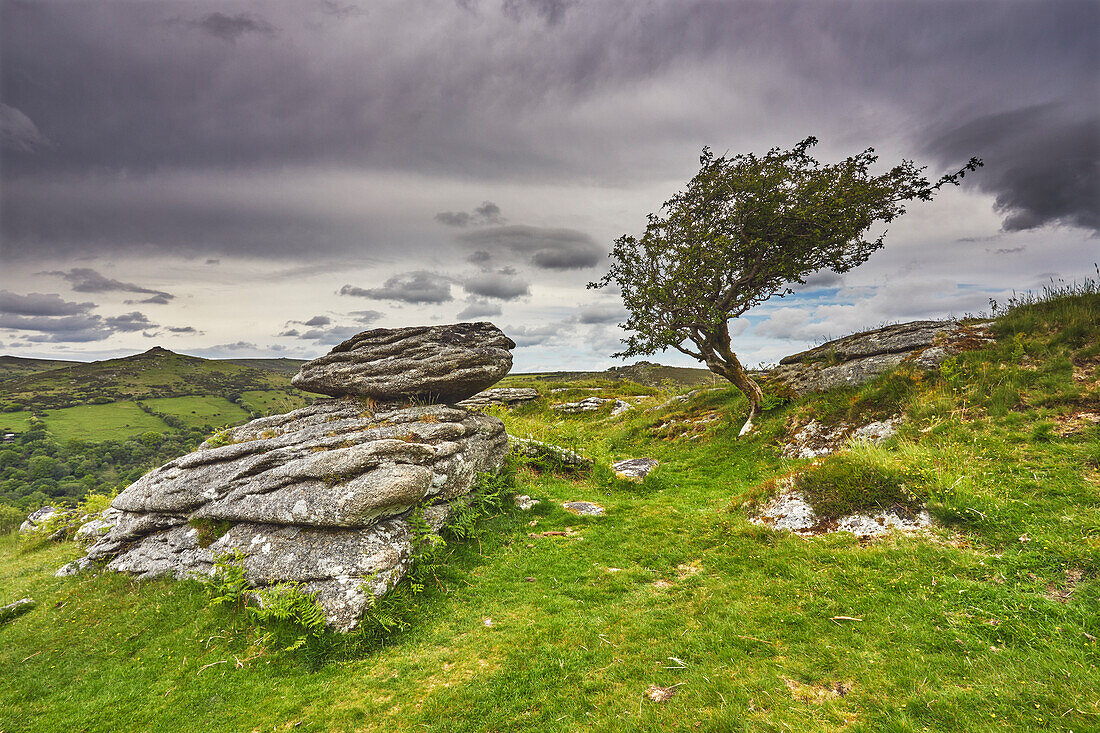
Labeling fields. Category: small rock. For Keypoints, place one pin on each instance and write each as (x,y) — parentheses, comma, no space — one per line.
(529,579)
(583,508)
(619,408)
(564,457)
(488,622)
(588,404)
(16,609)
(525,502)
(791,511)
(634,469)
(507,396)
(37,518)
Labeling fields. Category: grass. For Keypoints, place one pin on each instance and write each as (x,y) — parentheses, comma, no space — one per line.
(273,402)
(985,624)
(15,422)
(198,411)
(114,421)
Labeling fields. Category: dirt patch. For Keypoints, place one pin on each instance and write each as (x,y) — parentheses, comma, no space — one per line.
(1087,371)
(1076,422)
(1062,594)
(817,694)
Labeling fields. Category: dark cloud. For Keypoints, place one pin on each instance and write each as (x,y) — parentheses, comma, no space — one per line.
(40,304)
(366,317)
(127,322)
(341,11)
(502,284)
(486,214)
(1042,162)
(18,133)
(158,299)
(604,313)
(213,261)
(317,321)
(477,308)
(413,287)
(183,329)
(551,11)
(231,27)
(87,280)
(550,249)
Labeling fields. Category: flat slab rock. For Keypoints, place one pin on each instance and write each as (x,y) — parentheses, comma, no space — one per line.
(859,358)
(815,439)
(425,363)
(318,495)
(791,511)
(537,449)
(583,508)
(506,396)
(634,469)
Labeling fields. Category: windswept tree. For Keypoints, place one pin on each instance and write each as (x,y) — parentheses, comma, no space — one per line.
(744,230)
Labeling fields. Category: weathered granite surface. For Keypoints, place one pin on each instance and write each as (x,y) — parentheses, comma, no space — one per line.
(859,358)
(317,496)
(425,363)
(507,396)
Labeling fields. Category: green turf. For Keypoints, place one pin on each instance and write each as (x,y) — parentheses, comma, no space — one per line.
(15,422)
(114,421)
(273,402)
(198,411)
(987,623)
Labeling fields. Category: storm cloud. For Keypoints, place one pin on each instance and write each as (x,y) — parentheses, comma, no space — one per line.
(550,249)
(413,287)
(87,280)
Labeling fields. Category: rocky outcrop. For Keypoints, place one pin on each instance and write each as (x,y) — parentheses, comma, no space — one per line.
(505,396)
(423,363)
(548,453)
(40,518)
(320,496)
(859,358)
(634,469)
(815,439)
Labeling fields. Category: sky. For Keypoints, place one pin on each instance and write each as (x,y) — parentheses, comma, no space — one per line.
(269,178)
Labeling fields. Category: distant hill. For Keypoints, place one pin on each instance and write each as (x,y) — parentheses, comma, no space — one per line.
(17,366)
(643,372)
(154,374)
(281,365)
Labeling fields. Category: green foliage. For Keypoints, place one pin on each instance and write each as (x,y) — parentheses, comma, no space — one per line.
(228,586)
(291,618)
(10,518)
(858,481)
(209,530)
(220,438)
(744,230)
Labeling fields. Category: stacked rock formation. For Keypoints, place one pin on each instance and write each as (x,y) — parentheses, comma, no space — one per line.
(859,358)
(322,495)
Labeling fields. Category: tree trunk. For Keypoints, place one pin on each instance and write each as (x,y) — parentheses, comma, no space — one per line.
(721,360)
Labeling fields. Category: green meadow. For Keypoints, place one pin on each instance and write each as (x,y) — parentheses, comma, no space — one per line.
(113,421)
(197,411)
(546,621)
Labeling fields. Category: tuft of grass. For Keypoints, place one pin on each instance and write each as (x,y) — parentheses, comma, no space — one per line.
(860,480)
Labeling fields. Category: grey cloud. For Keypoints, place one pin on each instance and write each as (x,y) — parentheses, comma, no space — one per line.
(551,11)
(18,132)
(158,299)
(133,321)
(413,287)
(318,321)
(503,284)
(231,27)
(183,329)
(340,11)
(551,249)
(290,332)
(1042,162)
(213,261)
(366,317)
(525,336)
(604,313)
(484,215)
(87,280)
(40,304)
(478,308)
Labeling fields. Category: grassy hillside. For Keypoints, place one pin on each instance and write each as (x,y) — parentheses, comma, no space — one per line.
(545,621)
(17,366)
(155,373)
(281,365)
(644,373)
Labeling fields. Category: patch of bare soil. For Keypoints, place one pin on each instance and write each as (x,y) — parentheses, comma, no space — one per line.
(1062,594)
(1075,422)
(817,694)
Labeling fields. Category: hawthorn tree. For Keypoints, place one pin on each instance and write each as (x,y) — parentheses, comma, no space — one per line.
(745,229)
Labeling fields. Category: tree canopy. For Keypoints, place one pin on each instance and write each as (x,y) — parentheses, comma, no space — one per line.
(745,229)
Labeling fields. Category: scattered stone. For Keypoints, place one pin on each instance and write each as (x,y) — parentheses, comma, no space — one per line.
(588,404)
(505,396)
(683,397)
(859,358)
(815,439)
(423,363)
(538,450)
(656,693)
(525,502)
(791,511)
(40,518)
(634,469)
(583,508)
(619,407)
(16,609)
